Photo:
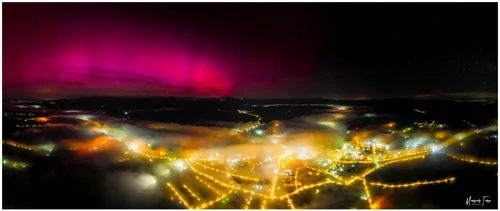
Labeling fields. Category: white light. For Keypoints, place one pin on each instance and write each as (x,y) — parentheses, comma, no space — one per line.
(165,172)
(329,124)
(132,147)
(435,148)
(147,180)
(83,117)
(180,165)
(259,132)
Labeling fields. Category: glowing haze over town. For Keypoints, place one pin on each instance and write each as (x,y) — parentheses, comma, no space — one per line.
(248,106)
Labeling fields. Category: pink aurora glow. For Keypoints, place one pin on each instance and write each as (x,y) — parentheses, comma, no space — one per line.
(53,53)
(119,65)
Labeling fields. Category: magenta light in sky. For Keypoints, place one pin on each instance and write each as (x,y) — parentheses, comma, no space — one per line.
(115,64)
(70,51)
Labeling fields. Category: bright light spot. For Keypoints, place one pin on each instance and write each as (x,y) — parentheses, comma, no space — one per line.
(125,113)
(5,161)
(47,147)
(83,117)
(132,147)
(42,119)
(259,132)
(329,124)
(147,180)
(434,148)
(180,165)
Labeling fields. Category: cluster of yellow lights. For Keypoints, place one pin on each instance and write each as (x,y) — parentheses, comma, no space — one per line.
(229,173)
(227,185)
(210,203)
(326,172)
(289,200)
(209,186)
(367,192)
(391,162)
(413,184)
(307,187)
(296,178)
(230,188)
(19,145)
(470,160)
(420,154)
(123,160)
(152,156)
(203,205)
(191,193)
(248,202)
(398,157)
(184,202)
(353,161)
(375,160)
(273,187)
(405,157)
(303,188)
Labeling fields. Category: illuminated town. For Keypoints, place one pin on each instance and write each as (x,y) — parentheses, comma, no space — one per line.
(249,105)
(262,165)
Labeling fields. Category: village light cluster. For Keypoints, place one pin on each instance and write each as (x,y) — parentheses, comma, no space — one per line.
(277,176)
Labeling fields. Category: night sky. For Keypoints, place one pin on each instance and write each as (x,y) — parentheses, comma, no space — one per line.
(293,50)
